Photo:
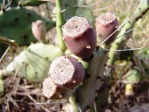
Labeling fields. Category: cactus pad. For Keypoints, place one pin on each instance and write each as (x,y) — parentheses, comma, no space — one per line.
(33,63)
(15,24)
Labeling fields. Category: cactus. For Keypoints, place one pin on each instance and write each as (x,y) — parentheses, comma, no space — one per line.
(15,3)
(93,90)
(66,72)
(51,90)
(106,24)
(20,19)
(92,85)
(31,2)
(33,63)
(59,23)
(39,30)
(79,37)
(69,7)
(85,12)
(74,7)
(141,9)
(65,10)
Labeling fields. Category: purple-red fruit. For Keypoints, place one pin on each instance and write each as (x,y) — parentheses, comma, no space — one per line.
(106,24)
(51,90)
(39,30)
(79,36)
(66,72)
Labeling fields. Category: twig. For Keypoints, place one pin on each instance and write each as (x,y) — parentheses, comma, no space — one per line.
(31,98)
(122,50)
(4,54)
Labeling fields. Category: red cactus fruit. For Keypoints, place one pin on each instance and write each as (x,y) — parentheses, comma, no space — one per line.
(51,90)
(66,71)
(79,36)
(106,24)
(39,30)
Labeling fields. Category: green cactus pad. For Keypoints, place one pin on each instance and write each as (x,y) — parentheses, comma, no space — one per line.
(70,8)
(31,2)
(85,12)
(15,24)
(87,92)
(33,63)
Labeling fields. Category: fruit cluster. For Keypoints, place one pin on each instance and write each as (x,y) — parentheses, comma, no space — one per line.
(66,72)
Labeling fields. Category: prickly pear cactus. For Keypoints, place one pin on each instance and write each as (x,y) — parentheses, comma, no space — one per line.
(15,24)
(31,2)
(69,8)
(73,7)
(33,63)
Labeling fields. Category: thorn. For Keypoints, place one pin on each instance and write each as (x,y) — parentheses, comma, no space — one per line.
(96,98)
(16,19)
(92,56)
(36,72)
(88,107)
(77,99)
(129,22)
(97,91)
(117,43)
(100,78)
(88,75)
(109,86)
(97,47)
(28,14)
(46,58)
(102,105)
(108,57)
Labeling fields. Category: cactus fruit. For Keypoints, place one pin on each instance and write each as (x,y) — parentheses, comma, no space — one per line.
(106,24)
(79,36)
(33,63)
(66,71)
(39,30)
(51,90)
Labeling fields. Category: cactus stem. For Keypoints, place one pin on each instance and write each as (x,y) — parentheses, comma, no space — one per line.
(59,23)
(128,25)
(89,86)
